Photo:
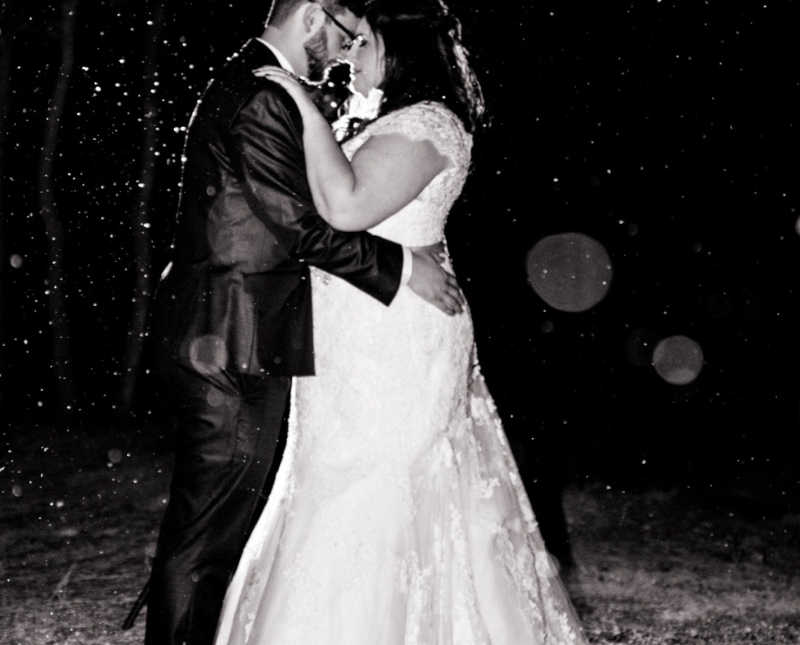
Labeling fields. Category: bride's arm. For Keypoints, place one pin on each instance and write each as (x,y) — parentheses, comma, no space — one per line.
(386,173)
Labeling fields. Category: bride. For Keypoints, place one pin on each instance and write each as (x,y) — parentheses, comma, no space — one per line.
(398,515)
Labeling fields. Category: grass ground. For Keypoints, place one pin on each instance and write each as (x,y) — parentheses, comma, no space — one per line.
(79,518)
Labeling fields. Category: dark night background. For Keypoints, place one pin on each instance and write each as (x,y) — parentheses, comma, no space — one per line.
(665,129)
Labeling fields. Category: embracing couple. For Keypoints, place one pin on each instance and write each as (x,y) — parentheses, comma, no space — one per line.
(397,514)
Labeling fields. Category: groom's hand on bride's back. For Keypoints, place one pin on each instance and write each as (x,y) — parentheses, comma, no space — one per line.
(433,283)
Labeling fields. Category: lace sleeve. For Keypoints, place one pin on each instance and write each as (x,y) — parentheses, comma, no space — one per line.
(429,121)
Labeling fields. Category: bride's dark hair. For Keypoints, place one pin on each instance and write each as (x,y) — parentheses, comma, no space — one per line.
(424,58)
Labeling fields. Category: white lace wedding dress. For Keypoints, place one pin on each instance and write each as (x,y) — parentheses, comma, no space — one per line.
(397,515)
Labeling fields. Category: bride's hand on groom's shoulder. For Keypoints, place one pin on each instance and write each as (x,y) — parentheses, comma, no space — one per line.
(287,81)
(433,283)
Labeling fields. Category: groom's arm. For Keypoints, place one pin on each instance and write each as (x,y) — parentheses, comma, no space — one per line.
(266,143)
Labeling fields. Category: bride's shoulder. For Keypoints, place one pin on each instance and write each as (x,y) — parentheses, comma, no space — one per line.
(430,120)
(429,112)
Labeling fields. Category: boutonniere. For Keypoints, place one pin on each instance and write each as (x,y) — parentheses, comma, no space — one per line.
(359,110)
(365,107)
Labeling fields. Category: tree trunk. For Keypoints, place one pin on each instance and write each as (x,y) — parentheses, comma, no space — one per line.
(5,72)
(56,291)
(140,225)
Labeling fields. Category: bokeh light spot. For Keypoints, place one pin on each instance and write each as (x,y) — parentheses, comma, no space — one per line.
(15,260)
(214,398)
(115,455)
(678,360)
(569,271)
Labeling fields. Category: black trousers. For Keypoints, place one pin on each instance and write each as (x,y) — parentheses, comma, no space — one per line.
(229,433)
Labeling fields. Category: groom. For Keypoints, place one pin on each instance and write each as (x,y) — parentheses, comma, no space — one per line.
(233,316)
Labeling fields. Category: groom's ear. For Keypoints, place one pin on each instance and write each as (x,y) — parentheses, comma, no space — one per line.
(312,17)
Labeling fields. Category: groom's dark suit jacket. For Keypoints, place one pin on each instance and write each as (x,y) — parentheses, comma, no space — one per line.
(238,295)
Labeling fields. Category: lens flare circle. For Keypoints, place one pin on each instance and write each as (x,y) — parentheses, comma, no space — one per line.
(678,359)
(569,271)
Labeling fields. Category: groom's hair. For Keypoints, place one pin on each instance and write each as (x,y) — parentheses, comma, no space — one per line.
(282,9)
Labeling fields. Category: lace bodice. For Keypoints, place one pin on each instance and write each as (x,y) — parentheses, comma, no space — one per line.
(422,221)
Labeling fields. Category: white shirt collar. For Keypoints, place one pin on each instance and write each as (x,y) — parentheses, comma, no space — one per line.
(282,60)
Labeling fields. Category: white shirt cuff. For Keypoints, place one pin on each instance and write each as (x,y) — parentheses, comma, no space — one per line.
(407,266)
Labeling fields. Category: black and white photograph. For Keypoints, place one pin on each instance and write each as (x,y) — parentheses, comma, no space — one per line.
(399,322)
